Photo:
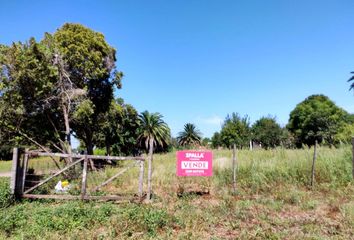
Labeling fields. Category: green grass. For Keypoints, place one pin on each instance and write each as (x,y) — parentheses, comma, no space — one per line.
(273,201)
(5,166)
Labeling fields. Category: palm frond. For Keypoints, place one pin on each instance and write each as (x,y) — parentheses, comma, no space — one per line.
(153,127)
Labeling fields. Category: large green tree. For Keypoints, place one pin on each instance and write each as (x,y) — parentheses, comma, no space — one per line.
(88,64)
(190,136)
(235,130)
(316,118)
(267,132)
(119,129)
(29,114)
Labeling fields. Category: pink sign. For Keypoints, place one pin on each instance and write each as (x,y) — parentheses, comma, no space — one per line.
(194,163)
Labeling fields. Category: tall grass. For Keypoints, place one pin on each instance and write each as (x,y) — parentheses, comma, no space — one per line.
(260,169)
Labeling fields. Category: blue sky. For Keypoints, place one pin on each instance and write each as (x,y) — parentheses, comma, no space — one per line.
(197,61)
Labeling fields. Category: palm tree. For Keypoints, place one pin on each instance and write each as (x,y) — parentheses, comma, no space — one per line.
(190,136)
(351,79)
(154,131)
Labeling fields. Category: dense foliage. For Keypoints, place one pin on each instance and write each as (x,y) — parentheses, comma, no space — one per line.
(153,130)
(267,132)
(118,129)
(317,118)
(57,86)
(235,130)
(216,140)
(190,136)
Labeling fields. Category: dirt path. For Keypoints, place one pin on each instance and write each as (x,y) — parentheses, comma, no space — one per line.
(5,174)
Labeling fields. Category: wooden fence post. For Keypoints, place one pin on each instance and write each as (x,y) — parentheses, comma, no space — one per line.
(151,149)
(313,164)
(24,170)
(17,173)
(234,166)
(84,178)
(353,157)
(141,178)
(15,162)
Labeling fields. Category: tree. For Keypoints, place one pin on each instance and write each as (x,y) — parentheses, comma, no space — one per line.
(316,118)
(154,132)
(27,77)
(58,86)
(267,132)
(345,133)
(235,130)
(287,138)
(190,136)
(119,129)
(206,142)
(216,140)
(88,63)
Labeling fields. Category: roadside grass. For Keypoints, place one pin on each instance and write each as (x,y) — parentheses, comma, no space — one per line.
(273,201)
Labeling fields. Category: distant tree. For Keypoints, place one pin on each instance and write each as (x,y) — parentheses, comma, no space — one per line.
(345,133)
(216,140)
(235,130)
(267,132)
(190,136)
(316,118)
(287,139)
(206,142)
(153,130)
(174,143)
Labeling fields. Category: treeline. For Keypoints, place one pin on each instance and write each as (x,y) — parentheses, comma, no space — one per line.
(317,118)
(63,86)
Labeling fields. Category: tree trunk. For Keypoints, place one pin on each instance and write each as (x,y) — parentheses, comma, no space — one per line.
(108,149)
(151,150)
(67,132)
(89,149)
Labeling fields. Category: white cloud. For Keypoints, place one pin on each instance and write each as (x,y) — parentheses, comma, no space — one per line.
(213,120)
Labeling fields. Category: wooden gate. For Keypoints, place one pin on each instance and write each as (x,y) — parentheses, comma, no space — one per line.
(20,183)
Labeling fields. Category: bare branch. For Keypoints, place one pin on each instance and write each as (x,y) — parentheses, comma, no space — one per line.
(40,146)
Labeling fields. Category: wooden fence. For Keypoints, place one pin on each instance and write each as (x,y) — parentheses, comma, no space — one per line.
(20,168)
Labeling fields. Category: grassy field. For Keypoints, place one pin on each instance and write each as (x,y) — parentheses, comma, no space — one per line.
(273,201)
